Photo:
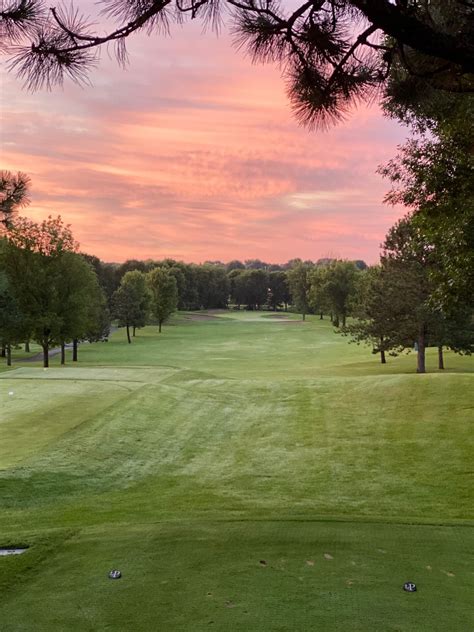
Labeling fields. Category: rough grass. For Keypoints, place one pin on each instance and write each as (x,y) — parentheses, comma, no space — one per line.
(188,458)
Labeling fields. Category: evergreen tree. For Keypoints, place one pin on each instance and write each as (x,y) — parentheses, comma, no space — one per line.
(14,195)
(330,51)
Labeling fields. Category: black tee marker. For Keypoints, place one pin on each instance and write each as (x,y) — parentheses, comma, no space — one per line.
(115,575)
(409,587)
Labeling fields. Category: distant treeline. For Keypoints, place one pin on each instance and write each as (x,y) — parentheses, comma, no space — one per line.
(53,295)
(399,304)
(252,284)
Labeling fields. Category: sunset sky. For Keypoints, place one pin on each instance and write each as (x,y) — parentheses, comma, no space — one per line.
(193,153)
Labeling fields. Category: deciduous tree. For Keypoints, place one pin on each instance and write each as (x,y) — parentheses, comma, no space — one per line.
(79,300)
(279,293)
(164,294)
(339,289)
(379,311)
(13,323)
(299,283)
(131,301)
(33,264)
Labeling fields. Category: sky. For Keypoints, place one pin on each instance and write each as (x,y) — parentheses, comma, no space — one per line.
(192,152)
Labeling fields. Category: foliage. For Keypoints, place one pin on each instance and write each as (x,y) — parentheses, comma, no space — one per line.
(278,290)
(81,302)
(395,307)
(330,52)
(212,286)
(106,275)
(14,194)
(332,288)
(299,283)
(380,317)
(13,324)
(317,300)
(131,301)
(98,326)
(164,292)
(235,265)
(433,175)
(250,287)
(54,288)
(49,238)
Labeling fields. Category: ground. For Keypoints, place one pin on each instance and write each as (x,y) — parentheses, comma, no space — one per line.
(243,473)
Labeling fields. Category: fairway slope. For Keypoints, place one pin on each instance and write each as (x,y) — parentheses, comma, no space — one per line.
(243,475)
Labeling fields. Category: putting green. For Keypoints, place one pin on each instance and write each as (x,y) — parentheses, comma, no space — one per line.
(243,473)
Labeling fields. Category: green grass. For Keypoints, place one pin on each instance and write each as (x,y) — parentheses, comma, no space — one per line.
(187,458)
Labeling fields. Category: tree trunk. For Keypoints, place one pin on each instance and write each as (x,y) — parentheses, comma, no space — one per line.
(63,353)
(74,350)
(3,352)
(331,316)
(321,316)
(440,357)
(343,320)
(159,326)
(9,355)
(421,366)
(45,355)
(382,352)
(134,329)
(27,346)
(336,321)
(304,315)
(128,335)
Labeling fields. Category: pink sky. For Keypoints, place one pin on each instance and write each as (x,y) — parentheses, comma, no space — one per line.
(193,153)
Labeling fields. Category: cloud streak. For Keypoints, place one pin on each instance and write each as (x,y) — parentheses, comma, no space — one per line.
(193,153)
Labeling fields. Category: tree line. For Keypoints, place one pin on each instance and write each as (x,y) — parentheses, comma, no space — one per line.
(420,294)
(49,294)
(53,295)
(393,306)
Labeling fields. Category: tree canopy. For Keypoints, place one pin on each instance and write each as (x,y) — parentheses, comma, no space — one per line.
(331,52)
(48,292)
(131,301)
(14,194)
(164,292)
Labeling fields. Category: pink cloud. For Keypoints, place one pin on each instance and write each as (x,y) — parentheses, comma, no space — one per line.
(193,153)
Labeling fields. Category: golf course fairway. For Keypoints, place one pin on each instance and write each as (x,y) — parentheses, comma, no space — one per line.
(243,472)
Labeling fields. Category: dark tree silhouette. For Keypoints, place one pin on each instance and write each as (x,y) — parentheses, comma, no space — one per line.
(332,52)
(14,194)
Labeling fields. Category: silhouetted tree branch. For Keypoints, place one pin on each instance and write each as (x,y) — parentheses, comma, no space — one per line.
(332,52)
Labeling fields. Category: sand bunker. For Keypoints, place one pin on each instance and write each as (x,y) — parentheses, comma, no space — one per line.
(200,317)
(12,550)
